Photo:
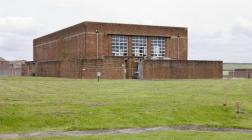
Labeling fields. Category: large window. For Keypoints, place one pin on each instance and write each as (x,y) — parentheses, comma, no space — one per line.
(119,45)
(158,47)
(139,46)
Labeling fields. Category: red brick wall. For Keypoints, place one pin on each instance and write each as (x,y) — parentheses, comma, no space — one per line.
(48,69)
(108,29)
(91,66)
(177,69)
(80,41)
(67,68)
(131,29)
(4,68)
(68,48)
(28,69)
(70,68)
(110,68)
(241,73)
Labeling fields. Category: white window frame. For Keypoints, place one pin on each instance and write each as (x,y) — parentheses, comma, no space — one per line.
(158,46)
(119,45)
(139,46)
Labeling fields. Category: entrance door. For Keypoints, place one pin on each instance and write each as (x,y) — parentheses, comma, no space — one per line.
(133,68)
(138,69)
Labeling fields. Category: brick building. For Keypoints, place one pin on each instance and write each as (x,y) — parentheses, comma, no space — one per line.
(118,51)
(10,68)
(241,73)
(4,67)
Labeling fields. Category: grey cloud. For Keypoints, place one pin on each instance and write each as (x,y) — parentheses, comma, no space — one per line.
(227,46)
(216,29)
(16,35)
(242,31)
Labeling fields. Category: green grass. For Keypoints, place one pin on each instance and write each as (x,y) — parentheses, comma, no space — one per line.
(35,104)
(170,135)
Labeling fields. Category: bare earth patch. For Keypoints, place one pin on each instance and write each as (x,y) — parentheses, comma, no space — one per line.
(121,131)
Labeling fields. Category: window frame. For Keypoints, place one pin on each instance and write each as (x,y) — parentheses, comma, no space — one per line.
(159,42)
(139,43)
(119,45)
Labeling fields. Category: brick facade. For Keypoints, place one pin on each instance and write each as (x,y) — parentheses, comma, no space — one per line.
(82,50)
(4,68)
(80,41)
(11,68)
(179,69)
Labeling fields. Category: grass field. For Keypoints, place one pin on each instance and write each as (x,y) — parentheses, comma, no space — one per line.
(39,104)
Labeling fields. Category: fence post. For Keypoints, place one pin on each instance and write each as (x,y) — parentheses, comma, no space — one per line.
(225,103)
(238,109)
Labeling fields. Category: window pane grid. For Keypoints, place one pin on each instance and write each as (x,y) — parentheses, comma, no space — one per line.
(119,45)
(158,47)
(139,46)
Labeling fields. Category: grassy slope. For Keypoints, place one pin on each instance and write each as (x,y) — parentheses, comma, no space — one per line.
(33,104)
(174,135)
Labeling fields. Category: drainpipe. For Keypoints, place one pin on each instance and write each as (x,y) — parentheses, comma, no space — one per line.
(178,46)
(97,43)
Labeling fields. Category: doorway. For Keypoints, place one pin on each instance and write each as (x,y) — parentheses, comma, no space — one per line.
(138,69)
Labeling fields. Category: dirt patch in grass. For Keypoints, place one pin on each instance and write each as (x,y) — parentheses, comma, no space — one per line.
(121,131)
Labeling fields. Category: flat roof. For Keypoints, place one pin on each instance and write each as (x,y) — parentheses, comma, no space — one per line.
(123,24)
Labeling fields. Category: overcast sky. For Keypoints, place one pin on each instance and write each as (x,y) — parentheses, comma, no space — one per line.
(218,29)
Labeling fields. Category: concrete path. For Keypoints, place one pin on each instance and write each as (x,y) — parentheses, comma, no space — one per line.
(120,131)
